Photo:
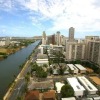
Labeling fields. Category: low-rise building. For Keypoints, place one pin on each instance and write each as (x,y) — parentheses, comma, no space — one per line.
(73,69)
(81,68)
(91,89)
(70,98)
(96,98)
(89,98)
(41,85)
(2,43)
(50,95)
(42,59)
(32,95)
(77,87)
(59,86)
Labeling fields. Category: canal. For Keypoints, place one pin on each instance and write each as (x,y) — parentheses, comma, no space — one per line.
(9,68)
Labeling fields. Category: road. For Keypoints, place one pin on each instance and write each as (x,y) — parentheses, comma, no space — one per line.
(20,83)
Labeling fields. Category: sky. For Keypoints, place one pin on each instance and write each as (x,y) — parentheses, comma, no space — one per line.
(28,18)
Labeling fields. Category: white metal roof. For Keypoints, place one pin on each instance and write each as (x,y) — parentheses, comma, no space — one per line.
(96,98)
(70,98)
(42,61)
(88,85)
(72,67)
(75,84)
(80,67)
(59,85)
(89,99)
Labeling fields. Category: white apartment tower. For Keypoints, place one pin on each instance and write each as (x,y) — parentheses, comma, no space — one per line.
(71,34)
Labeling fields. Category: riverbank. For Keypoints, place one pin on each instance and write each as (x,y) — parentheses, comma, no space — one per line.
(10,67)
(13,48)
(10,90)
(12,87)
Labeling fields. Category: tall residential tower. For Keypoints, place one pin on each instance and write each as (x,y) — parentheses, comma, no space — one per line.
(71,34)
(44,38)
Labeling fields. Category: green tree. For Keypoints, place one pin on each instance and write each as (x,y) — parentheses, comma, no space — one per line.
(50,70)
(67,91)
(45,65)
(34,67)
(40,73)
(59,58)
(27,77)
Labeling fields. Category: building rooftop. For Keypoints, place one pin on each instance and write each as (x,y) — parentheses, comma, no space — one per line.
(58,86)
(75,84)
(95,79)
(96,98)
(70,98)
(89,98)
(72,67)
(50,95)
(80,67)
(88,85)
(41,85)
(42,56)
(42,61)
(32,95)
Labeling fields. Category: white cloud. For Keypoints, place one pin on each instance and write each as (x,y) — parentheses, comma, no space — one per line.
(84,15)
(81,14)
(6,5)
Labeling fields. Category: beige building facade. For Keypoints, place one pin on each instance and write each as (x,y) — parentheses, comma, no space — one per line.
(75,51)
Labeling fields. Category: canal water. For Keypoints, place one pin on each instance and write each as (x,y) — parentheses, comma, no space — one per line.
(9,68)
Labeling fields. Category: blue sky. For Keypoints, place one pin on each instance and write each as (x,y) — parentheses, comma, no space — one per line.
(32,17)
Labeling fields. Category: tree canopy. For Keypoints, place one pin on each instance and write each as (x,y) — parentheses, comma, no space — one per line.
(67,91)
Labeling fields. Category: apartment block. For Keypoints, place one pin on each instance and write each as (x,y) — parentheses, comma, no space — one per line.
(75,50)
(58,38)
(71,34)
(44,38)
(94,51)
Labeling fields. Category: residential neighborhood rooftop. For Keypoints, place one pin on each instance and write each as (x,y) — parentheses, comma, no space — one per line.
(32,95)
(75,84)
(50,95)
(41,85)
(70,98)
(72,67)
(88,85)
(58,86)
(80,67)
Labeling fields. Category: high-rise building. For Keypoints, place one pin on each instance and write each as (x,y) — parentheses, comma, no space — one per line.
(51,39)
(44,35)
(63,40)
(58,39)
(7,41)
(44,38)
(75,51)
(71,34)
(92,38)
(89,40)
(94,51)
